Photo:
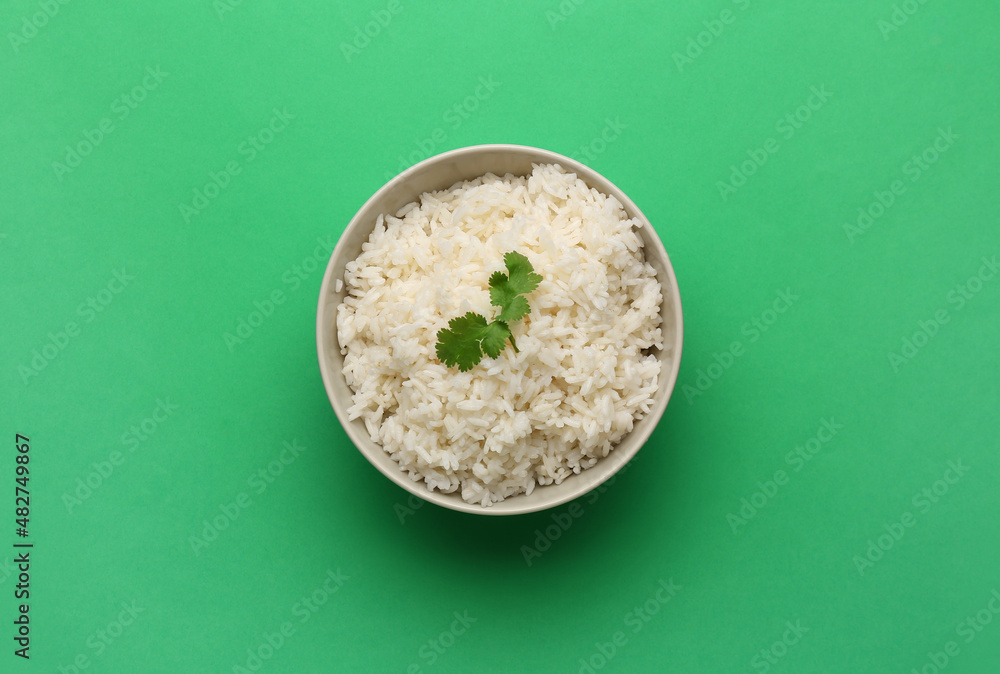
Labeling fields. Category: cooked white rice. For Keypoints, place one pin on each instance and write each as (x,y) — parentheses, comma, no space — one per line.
(584,373)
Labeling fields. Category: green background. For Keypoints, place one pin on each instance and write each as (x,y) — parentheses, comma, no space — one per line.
(674,127)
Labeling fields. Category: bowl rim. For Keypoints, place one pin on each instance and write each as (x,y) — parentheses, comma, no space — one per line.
(618,460)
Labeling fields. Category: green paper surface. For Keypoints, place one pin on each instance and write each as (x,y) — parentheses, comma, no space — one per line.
(820,496)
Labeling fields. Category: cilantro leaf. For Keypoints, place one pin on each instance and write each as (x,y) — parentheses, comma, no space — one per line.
(456,346)
(514,309)
(506,289)
(494,336)
(465,339)
(522,275)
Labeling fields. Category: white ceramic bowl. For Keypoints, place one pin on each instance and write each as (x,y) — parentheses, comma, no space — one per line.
(441,172)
